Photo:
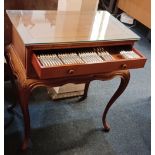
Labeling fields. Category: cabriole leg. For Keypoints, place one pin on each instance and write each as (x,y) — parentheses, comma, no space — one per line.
(125,77)
(24,100)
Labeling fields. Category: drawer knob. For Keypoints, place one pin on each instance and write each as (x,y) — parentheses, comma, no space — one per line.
(71,71)
(124,66)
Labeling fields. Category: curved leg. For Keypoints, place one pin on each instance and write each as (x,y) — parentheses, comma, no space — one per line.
(24,98)
(85,92)
(125,77)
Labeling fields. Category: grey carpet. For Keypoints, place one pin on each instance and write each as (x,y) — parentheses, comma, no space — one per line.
(69,128)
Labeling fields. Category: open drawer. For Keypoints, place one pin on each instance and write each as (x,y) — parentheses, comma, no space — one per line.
(45,68)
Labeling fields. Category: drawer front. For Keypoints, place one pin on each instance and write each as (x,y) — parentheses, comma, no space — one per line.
(68,70)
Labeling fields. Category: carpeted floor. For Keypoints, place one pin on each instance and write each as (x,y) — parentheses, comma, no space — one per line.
(69,128)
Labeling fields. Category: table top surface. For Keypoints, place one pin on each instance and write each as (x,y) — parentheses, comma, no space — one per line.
(41,26)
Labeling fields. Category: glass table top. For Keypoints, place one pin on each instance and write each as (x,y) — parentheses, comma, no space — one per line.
(35,27)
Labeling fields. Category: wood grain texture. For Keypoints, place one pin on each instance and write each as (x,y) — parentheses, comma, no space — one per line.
(86,69)
(63,27)
(21,57)
(140,10)
(19,46)
(26,86)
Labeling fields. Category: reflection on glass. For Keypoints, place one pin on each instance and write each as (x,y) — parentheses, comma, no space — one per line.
(104,25)
(26,18)
(69,5)
(77,5)
(100,25)
(68,26)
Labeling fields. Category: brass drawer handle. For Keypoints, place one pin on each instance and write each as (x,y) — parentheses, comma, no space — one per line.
(71,71)
(124,66)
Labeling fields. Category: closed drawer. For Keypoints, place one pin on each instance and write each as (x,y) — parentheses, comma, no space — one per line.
(119,62)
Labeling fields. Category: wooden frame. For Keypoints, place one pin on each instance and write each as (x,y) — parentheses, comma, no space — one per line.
(30,74)
(26,86)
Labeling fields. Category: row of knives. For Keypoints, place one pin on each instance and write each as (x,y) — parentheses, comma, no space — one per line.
(96,56)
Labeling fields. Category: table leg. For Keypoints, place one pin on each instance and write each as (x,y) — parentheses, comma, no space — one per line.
(85,92)
(125,77)
(24,99)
